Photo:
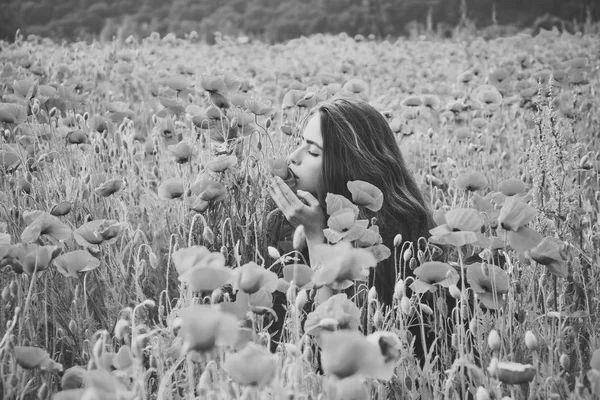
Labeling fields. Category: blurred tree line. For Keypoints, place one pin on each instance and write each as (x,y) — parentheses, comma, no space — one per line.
(277,20)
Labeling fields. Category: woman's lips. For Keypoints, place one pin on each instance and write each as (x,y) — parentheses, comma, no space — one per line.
(291,178)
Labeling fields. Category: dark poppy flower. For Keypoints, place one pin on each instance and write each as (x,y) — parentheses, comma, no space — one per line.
(471,181)
(41,223)
(97,232)
(432,273)
(462,133)
(552,253)
(74,262)
(366,194)
(515,213)
(182,152)
(254,365)
(522,239)
(203,328)
(110,187)
(222,163)
(171,188)
(489,282)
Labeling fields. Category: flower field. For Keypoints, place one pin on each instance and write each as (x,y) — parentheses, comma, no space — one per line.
(134,257)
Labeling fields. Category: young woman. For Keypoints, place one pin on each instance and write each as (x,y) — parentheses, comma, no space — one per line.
(345,140)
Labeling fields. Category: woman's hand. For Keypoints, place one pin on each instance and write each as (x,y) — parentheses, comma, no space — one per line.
(310,215)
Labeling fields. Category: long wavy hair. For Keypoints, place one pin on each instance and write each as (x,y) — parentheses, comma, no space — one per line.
(358,144)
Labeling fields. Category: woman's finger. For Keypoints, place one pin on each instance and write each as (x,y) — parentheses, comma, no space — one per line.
(286,191)
(309,198)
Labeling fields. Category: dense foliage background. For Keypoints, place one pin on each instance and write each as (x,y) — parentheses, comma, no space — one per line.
(276,20)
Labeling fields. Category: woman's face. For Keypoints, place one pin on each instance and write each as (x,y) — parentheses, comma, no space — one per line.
(306,161)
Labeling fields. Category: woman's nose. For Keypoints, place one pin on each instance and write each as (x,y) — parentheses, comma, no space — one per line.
(294,157)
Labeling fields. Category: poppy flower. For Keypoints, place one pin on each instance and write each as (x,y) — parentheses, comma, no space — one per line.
(222,163)
(110,187)
(522,239)
(552,253)
(432,273)
(512,373)
(351,388)
(339,264)
(462,133)
(214,85)
(123,359)
(258,302)
(515,213)
(4,244)
(171,188)
(465,77)
(206,277)
(36,258)
(41,223)
(29,357)
(70,264)
(431,101)
(499,77)
(461,227)
(12,113)
(97,232)
(204,327)
(251,278)
(209,190)
(471,181)
(239,99)
(300,274)
(72,378)
(182,152)
(196,257)
(356,85)
(486,95)
(9,161)
(254,365)
(349,353)
(178,83)
(175,107)
(489,282)
(292,98)
(337,308)
(512,186)
(258,108)
(366,194)
(412,101)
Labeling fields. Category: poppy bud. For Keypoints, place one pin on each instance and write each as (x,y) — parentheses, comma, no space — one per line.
(565,361)
(398,240)
(531,341)
(493,367)
(208,235)
(473,326)
(35,108)
(273,253)
(121,328)
(426,309)
(6,295)
(72,326)
(290,294)
(154,119)
(149,303)
(407,255)
(585,163)
(372,296)
(216,296)
(301,299)
(153,260)
(399,290)
(42,392)
(454,291)
(14,288)
(454,341)
(494,340)
(482,394)
(268,123)
(53,112)
(378,319)
(405,306)
(190,98)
